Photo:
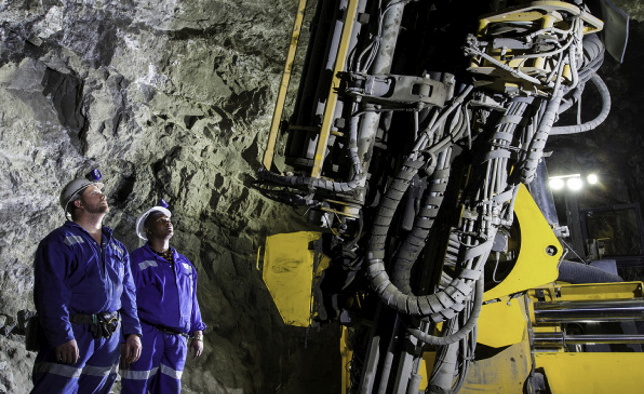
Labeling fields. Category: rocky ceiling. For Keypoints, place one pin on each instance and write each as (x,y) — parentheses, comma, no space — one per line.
(172,99)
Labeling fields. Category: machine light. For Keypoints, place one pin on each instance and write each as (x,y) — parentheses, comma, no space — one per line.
(571,182)
(556,183)
(574,184)
(592,179)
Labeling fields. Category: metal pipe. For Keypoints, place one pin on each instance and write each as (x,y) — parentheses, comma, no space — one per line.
(389,357)
(558,339)
(575,311)
(382,65)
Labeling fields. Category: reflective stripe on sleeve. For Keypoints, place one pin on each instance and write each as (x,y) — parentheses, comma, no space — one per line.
(147,263)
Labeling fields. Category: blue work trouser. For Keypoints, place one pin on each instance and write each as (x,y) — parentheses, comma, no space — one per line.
(161,364)
(95,371)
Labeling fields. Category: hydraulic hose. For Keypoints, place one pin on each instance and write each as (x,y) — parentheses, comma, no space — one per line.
(439,306)
(594,57)
(594,52)
(319,183)
(300,181)
(445,366)
(478,229)
(538,142)
(416,239)
(463,331)
(604,94)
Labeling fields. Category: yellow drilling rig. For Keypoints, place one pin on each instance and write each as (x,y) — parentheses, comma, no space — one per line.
(412,137)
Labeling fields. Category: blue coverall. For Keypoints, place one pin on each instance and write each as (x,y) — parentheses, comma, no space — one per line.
(168,307)
(76,275)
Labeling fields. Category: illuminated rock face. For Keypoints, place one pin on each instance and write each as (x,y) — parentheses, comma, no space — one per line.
(169,100)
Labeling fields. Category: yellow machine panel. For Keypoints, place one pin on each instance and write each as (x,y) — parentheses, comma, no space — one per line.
(290,268)
(511,312)
(540,250)
(542,328)
(592,373)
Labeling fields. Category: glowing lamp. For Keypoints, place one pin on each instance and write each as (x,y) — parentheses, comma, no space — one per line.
(592,179)
(556,183)
(574,184)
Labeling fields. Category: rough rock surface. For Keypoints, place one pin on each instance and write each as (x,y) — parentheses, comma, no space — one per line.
(169,99)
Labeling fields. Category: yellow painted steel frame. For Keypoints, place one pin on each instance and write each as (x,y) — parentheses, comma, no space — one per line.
(504,327)
(565,372)
(505,372)
(332,97)
(539,253)
(592,373)
(346,354)
(545,14)
(536,265)
(588,372)
(512,313)
(561,291)
(286,78)
(507,324)
(536,10)
(290,270)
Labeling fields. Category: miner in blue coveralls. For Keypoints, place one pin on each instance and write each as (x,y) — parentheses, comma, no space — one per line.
(166,288)
(85,298)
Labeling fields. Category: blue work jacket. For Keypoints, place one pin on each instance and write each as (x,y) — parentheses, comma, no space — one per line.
(166,293)
(74,274)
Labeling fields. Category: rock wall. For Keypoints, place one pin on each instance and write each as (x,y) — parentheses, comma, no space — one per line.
(169,99)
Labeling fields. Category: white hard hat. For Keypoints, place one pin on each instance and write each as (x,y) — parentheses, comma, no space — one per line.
(73,190)
(140,222)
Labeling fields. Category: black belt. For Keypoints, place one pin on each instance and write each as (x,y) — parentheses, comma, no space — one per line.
(82,318)
(167,330)
(101,324)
